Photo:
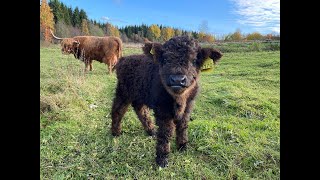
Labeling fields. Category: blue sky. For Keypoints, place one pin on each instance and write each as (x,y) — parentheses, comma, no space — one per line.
(222,16)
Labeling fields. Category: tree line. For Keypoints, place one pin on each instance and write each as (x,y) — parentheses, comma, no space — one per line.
(68,22)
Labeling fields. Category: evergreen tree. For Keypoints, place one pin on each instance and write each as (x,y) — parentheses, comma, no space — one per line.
(56,10)
(129,33)
(82,15)
(66,15)
(195,34)
(76,17)
(70,12)
(144,30)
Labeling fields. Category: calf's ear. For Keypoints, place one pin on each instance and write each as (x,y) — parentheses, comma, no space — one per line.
(147,48)
(153,50)
(206,53)
(207,58)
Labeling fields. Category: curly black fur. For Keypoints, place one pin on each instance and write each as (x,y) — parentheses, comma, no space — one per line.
(144,82)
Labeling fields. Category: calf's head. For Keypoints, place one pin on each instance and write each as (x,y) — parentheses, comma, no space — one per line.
(180,60)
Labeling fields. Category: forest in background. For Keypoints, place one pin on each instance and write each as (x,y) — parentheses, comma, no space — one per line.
(68,22)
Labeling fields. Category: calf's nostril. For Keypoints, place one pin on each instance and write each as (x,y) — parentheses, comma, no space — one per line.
(172,80)
(183,81)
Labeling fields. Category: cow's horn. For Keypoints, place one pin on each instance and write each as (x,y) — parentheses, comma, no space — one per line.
(55,36)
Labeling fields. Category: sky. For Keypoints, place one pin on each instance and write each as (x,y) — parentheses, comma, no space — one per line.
(221,16)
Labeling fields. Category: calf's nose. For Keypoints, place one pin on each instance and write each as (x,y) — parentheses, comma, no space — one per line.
(178,80)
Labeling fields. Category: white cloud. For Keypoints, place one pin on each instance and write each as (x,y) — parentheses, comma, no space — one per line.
(105,18)
(113,19)
(261,14)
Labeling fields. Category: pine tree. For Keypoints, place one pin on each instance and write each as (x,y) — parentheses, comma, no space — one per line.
(70,12)
(54,7)
(195,34)
(76,18)
(144,30)
(129,32)
(46,20)
(82,15)
(66,16)
(57,9)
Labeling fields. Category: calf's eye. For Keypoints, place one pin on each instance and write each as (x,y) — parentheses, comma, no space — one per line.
(194,62)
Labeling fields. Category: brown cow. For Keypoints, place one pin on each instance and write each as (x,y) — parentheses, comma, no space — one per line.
(106,49)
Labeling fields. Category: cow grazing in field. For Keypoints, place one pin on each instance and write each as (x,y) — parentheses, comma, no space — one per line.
(165,78)
(106,49)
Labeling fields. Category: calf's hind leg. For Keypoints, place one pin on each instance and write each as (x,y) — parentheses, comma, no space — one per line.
(119,108)
(142,112)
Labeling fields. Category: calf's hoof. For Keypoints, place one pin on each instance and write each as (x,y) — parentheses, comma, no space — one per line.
(114,133)
(182,147)
(151,132)
(162,161)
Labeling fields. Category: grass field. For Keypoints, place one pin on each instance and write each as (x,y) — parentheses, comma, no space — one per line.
(234,132)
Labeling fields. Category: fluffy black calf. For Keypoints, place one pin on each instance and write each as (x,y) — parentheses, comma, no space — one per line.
(165,80)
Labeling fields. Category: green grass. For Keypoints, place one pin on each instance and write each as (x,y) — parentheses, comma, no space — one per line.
(246,46)
(234,132)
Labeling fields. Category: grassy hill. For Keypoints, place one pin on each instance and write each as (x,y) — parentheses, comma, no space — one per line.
(234,132)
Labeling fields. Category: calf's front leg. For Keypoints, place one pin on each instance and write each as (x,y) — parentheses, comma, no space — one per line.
(182,126)
(165,132)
